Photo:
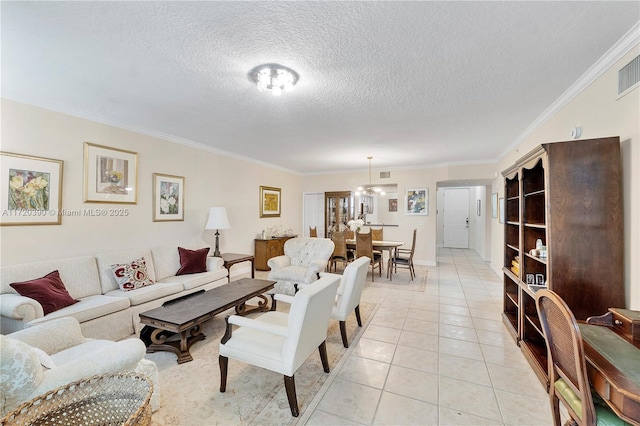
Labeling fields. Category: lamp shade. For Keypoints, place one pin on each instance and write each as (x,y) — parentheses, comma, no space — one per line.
(217,218)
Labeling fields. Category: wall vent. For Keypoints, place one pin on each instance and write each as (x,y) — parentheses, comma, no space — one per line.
(385,175)
(629,76)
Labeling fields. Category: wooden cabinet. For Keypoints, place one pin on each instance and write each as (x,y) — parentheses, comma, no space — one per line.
(339,209)
(268,248)
(569,196)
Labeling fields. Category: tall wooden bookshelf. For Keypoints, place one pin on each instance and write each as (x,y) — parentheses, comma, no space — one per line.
(569,195)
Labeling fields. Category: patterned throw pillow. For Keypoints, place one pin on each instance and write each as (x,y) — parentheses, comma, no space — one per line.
(49,291)
(131,276)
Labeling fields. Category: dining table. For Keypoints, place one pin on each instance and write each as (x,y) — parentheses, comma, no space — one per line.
(381,245)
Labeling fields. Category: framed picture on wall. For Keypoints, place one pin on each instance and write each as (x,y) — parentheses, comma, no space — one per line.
(31,190)
(168,198)
(393,204)
(416,202)
(110,175)
(270,201)
(501,210)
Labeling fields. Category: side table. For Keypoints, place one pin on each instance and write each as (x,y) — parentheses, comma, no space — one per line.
(231,259)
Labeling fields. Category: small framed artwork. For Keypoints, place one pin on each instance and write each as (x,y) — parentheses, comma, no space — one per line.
(168,198)
(31,192)
(539,279)
(416,202)
(478,208)
(270,201)
(110,175)
(367,204)
(531,279)
(501,210)
(393,204)
(494,205)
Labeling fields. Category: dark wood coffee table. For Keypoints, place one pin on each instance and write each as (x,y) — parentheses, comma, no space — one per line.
(183,317)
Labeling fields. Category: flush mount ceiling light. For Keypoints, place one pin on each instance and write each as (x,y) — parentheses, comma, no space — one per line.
(273,77)
(369,190)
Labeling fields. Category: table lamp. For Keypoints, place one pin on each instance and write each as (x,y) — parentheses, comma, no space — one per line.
(217,220)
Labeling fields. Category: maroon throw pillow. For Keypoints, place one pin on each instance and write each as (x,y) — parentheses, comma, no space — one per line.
(49,291)
(192,261)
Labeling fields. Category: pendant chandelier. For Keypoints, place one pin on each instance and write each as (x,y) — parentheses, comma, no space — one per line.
(370,189)
(274,78)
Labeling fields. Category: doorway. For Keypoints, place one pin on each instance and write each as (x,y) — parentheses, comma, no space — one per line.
(313,212)
(456,217)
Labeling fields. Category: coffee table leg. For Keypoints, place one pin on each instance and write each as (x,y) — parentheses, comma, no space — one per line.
(263,306)
(157,339)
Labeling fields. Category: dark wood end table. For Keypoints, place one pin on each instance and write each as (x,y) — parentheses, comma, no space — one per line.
(231,259)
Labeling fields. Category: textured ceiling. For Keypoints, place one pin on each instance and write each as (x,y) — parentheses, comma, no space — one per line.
(414,84)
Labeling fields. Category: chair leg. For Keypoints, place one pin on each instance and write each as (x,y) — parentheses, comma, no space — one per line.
(358,316)
(343,333)
(290,386)
(555,408)
(224,362)
(323,356)
(373,272)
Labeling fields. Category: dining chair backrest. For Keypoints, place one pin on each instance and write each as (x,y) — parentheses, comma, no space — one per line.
(376,234)
(413,244)
(567,370)
(349,235)
(364,245)
(340,249)
(313,232)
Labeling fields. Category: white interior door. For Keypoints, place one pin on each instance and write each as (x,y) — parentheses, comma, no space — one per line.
(456,217)
(313,213)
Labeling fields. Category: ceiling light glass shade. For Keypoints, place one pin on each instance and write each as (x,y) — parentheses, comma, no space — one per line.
(273,77)
(370,189)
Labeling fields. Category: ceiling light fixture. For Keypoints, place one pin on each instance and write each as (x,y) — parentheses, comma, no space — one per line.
(369,190)
(273,77)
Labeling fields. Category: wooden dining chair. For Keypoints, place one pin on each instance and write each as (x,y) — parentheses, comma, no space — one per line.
(340,252)
(404,259)
(376,234)
(313,232)
(364,247)
(566,365)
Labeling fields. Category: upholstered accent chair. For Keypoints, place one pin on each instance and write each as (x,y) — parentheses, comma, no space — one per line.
(282,342)
(348,296)
(568,381)
(303,260)
(364,247)
(51,354)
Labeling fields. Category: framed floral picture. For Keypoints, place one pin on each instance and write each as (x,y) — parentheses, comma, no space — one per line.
(270,201)
(416,202)
(110,175)
(31,192)
(168,198)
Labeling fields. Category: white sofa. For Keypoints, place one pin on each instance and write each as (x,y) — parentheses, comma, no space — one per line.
(105,311)
(39,359)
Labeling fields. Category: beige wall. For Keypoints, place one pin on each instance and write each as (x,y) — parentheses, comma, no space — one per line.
(210,180)
(600,114)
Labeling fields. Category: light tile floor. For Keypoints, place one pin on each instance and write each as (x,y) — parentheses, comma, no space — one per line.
(442,357)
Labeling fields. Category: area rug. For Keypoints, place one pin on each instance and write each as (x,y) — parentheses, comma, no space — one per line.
(190,392)
(401,280)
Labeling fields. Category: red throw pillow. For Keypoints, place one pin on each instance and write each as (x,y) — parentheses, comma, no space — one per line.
(49,291)
(192,261)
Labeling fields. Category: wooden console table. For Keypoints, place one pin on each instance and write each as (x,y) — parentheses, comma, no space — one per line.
(267,248)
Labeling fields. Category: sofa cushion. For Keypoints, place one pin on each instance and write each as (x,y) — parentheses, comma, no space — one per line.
(192,261)
(105,260)
(69,355)
(166,259)
(87,309)
(20,371)
(192,281)
(80,274)
(132,275)
(148,293)
(49,291)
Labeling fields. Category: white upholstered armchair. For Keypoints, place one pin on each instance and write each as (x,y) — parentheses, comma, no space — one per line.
(303,260)
(54,353)
(282,342)
(348,296)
